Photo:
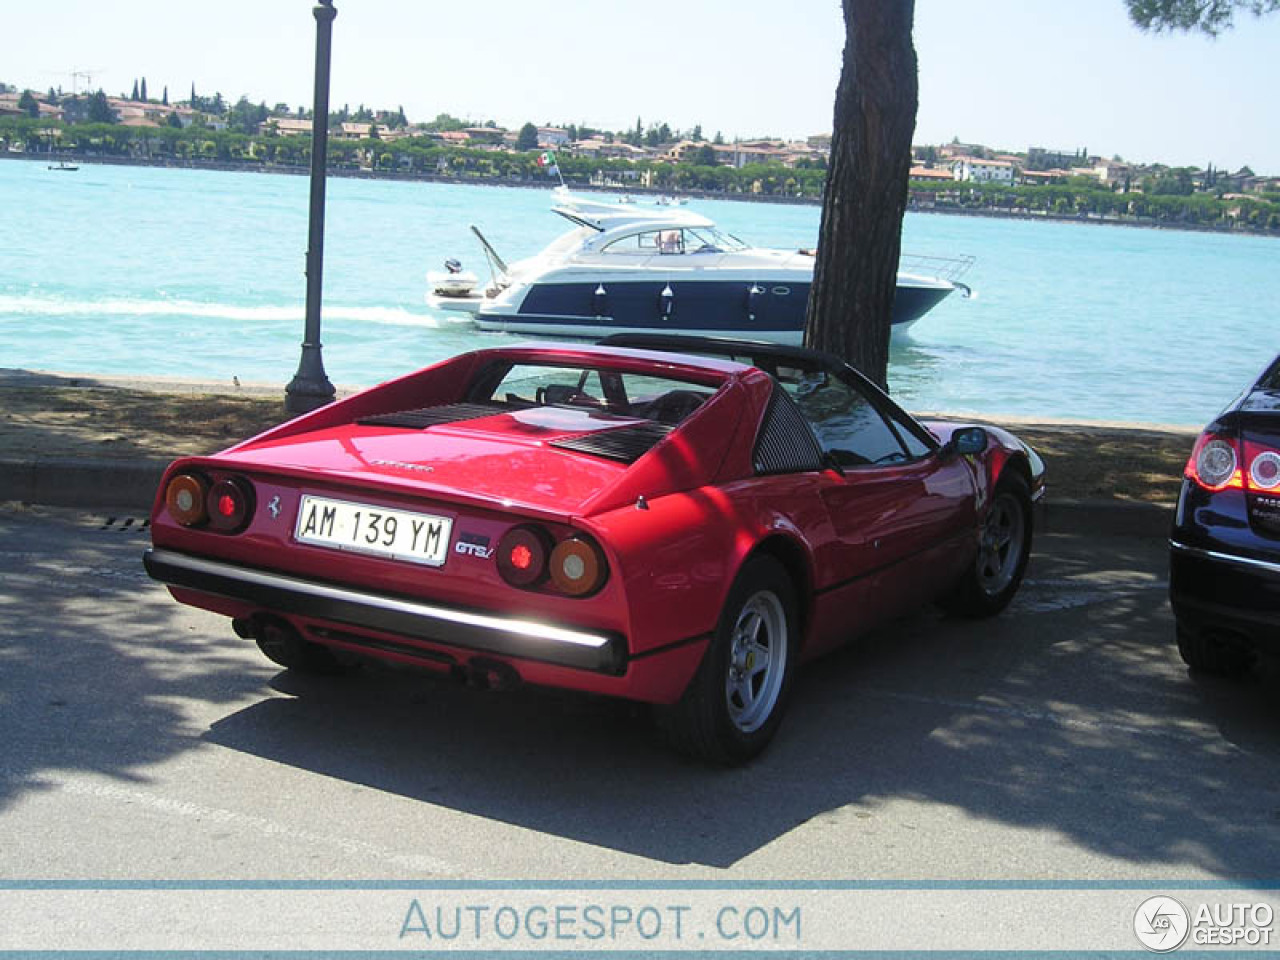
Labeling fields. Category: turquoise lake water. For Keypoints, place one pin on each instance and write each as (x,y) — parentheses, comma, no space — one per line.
(132,270)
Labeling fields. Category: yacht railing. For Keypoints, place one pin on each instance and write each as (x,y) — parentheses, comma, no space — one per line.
(944,268)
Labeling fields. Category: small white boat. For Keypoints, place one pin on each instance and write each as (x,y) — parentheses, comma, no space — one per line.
(637,269)
(454,282)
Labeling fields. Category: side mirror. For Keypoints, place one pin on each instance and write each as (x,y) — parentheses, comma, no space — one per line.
(964,443)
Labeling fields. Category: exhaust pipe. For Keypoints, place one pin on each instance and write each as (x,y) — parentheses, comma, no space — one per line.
(282,644)
(482,673)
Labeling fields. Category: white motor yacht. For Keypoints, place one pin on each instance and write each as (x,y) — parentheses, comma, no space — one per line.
(630,269)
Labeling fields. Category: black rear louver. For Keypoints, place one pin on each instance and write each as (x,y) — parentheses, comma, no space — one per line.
(786,443)
(425,417)
(624,444)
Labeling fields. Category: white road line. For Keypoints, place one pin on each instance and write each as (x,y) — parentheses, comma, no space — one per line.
(83,787)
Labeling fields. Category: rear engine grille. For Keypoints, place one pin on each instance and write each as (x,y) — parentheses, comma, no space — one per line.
(425,417)
(625,444)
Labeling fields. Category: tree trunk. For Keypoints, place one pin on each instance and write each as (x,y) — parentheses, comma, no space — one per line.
(851,300)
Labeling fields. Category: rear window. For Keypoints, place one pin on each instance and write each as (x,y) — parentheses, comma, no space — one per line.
(1271,379)
(622,394)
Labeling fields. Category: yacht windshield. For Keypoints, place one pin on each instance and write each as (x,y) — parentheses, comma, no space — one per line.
(676,240)
(709,238)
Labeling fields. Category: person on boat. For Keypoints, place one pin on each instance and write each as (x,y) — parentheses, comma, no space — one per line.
(669,241)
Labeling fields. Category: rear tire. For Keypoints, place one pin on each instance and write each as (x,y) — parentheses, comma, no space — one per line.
(1207,654)
(990,583)
(734,704)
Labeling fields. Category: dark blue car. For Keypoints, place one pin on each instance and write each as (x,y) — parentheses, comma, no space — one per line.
(1225,547)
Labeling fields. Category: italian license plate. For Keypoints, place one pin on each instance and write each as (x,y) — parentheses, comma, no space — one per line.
(359,527)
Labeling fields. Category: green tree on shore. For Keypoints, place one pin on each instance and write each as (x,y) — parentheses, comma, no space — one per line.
(1210,17)
(28,104)
(855,274)
(99,110)
(527,139)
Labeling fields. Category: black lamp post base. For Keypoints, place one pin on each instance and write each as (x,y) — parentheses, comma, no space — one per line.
(310,387)
(305,397)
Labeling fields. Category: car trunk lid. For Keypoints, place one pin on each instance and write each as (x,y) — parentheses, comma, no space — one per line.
(545,459)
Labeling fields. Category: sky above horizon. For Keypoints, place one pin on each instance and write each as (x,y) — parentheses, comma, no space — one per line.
(1009,74)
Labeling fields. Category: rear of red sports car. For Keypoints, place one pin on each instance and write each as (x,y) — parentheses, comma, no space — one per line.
(496,514)
(676,530)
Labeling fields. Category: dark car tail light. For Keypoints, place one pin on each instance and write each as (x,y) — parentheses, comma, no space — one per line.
(1215,463)
(184,498)
(532,558)
(230,505)
(522,556)
(577,567)
(224,504)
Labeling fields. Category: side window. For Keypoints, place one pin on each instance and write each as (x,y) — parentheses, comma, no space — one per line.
(849,427)
(916,448)
(636,244)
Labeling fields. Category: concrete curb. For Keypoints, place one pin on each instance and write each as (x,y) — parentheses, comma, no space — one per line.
(78,482)
(131,484)
(1107,517)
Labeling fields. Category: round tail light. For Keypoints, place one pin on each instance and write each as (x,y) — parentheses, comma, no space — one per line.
(229,505)
(1264,472)
(522,556)
(1213,464)
(185,499)
(577,568)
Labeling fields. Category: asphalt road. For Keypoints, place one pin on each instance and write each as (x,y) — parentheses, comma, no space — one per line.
(1063,740)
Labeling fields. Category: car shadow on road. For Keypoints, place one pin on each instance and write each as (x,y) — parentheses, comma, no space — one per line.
(95,665)
(1071,713)
(1070,717)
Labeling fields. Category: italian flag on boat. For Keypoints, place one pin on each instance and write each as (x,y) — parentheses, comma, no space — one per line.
(548,159)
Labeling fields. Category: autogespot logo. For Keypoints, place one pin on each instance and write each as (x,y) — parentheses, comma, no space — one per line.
(1161,924)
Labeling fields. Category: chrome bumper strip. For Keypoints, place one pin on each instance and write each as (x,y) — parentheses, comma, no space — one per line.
(603,652)
(1203,554)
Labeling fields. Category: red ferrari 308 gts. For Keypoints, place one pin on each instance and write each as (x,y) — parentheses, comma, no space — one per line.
(676,521)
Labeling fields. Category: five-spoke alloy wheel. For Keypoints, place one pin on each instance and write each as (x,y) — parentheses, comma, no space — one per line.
(1004,546)
(734,704)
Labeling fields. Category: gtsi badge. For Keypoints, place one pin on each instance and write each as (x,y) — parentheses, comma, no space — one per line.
(1161,924)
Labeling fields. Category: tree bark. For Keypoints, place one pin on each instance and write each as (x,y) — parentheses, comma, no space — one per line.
(851,300)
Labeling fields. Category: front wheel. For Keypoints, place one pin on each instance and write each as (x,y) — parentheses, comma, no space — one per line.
(1003,550)
(734,704)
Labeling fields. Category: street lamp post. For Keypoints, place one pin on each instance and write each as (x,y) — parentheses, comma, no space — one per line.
(310,387)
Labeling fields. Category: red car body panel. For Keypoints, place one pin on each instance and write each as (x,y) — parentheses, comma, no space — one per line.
(675,526)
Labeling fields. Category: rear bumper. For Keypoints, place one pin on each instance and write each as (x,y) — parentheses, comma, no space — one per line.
(599,651)
(1226,592)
